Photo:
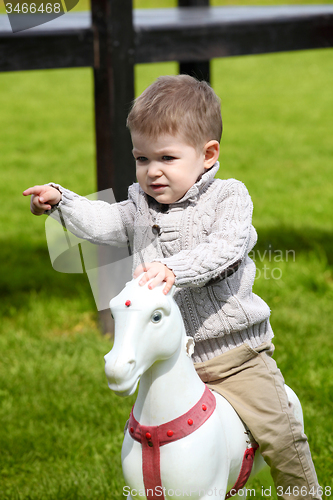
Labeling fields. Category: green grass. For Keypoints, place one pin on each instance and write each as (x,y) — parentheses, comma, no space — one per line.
(61,427)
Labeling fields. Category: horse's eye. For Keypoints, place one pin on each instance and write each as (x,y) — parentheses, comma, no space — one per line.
(156,316)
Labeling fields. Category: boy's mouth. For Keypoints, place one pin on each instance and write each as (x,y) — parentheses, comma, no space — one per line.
(157,187)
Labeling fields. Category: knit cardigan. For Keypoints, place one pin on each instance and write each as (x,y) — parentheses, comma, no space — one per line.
(204,238)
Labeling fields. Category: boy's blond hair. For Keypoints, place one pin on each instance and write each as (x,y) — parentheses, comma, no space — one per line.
(178,105)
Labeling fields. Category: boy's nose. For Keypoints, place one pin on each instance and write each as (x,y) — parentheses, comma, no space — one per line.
(154,169)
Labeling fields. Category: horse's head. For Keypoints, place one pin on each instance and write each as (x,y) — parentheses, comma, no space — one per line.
(148,328)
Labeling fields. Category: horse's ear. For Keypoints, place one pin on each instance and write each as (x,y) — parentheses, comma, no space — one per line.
(189,345)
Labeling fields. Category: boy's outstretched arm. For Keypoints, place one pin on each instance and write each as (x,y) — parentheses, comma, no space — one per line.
(97,221)
(43,198)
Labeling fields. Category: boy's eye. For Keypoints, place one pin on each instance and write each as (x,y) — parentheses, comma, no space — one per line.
(168,158)
(141,159)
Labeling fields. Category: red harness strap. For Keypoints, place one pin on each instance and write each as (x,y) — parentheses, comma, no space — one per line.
(152,437)
(245,471)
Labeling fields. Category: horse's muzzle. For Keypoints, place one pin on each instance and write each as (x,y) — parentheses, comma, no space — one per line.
(120,374)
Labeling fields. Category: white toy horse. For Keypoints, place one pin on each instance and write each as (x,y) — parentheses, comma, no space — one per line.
(182,439)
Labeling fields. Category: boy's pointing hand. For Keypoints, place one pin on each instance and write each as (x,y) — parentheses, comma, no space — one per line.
(43,197)
(157,272)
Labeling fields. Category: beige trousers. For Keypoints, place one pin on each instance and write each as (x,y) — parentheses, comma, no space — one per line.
(250,380)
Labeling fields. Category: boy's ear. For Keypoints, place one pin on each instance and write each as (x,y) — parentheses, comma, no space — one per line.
(211,152)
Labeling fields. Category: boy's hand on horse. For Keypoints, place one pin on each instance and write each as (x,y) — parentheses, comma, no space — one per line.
(43,197)
(158,273)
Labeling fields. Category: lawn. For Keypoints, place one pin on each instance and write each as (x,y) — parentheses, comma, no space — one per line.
(61,427)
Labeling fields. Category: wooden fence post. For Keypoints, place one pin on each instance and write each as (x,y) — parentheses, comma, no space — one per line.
(199,69)
(114,92)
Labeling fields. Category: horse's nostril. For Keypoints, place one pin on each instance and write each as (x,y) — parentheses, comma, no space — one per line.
(118,369)
(125,370)
(131,364)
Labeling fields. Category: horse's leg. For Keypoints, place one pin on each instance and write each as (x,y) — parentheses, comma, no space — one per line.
(297,408)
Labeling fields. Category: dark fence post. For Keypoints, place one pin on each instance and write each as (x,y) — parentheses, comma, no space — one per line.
(114,93)
(199,69)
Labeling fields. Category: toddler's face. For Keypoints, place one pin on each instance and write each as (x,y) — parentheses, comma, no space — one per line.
(166,167)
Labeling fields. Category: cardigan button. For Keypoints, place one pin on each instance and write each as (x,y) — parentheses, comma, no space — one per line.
(148,435)
(131,430)
(156,229)
(204,407)
(190,421)
(170,433)
(150,443)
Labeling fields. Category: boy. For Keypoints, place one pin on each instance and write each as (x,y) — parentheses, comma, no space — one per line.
(195,231)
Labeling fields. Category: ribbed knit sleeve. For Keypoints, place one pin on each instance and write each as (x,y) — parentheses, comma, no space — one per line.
(96,221)
(227,241)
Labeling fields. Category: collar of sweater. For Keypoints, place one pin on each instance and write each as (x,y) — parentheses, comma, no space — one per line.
(201,183)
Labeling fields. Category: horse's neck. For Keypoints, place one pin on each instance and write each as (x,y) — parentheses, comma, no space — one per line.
(167,390)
